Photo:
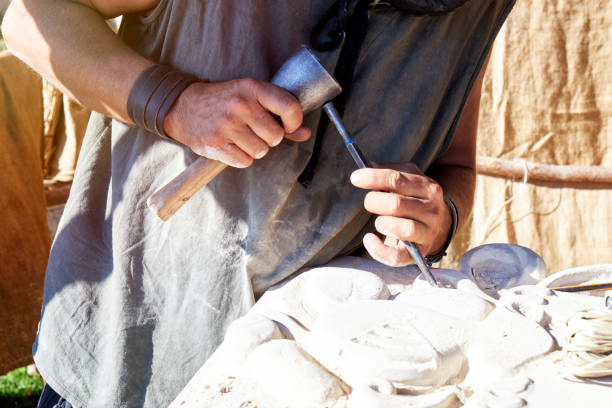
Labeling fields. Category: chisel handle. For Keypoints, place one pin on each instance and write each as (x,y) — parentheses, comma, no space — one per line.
(168,199)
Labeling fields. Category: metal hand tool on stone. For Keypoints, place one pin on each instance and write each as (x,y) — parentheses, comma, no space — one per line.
(593,287)
(362,162)
(303,76)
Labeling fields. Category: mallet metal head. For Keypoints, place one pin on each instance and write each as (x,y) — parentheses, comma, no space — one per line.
(306,78)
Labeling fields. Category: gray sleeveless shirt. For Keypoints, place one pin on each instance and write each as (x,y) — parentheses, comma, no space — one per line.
(133,306)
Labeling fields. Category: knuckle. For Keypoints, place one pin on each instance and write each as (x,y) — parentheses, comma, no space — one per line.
(238,104)
(395,180)
(221,124)
(293,106)
(408,229)
(434,211)
(291,109)
(250,85)
(395,204)
(436,189)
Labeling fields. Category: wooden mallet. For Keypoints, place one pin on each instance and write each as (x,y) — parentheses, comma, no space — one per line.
(303,76)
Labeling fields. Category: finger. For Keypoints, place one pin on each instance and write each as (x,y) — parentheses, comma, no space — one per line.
(391,180)
(264,125)
(229,154)
(397,205)
(249,142)
(300,135)
(385,254)
(281,103)
(403,229)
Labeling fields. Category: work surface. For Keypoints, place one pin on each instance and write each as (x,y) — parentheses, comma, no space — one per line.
(358,334)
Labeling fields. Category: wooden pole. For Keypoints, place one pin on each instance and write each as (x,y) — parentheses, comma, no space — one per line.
(520,169)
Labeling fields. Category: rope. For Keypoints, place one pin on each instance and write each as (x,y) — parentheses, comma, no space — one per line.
(525,171)
(495,218)
(496,213)
(588,348)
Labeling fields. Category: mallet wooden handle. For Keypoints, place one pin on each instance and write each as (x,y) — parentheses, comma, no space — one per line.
(168,199)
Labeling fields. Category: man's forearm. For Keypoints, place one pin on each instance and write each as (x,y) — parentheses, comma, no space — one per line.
(459,184)
(71,45)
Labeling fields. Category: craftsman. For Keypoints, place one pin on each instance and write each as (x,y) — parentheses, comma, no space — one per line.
(133,306)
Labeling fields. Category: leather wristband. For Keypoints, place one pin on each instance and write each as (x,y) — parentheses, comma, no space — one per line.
(155,91)
(435,258)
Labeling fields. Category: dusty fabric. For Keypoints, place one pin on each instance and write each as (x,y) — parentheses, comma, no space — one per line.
(24,240)
(144,303)
(546,98)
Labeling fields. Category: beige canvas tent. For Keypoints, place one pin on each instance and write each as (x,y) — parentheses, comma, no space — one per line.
(40,135)
(24,240)
(547,99)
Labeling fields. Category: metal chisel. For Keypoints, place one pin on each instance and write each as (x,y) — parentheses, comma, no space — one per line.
(362,163)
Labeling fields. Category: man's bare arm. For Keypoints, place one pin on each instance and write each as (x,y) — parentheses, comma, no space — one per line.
(70,44)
